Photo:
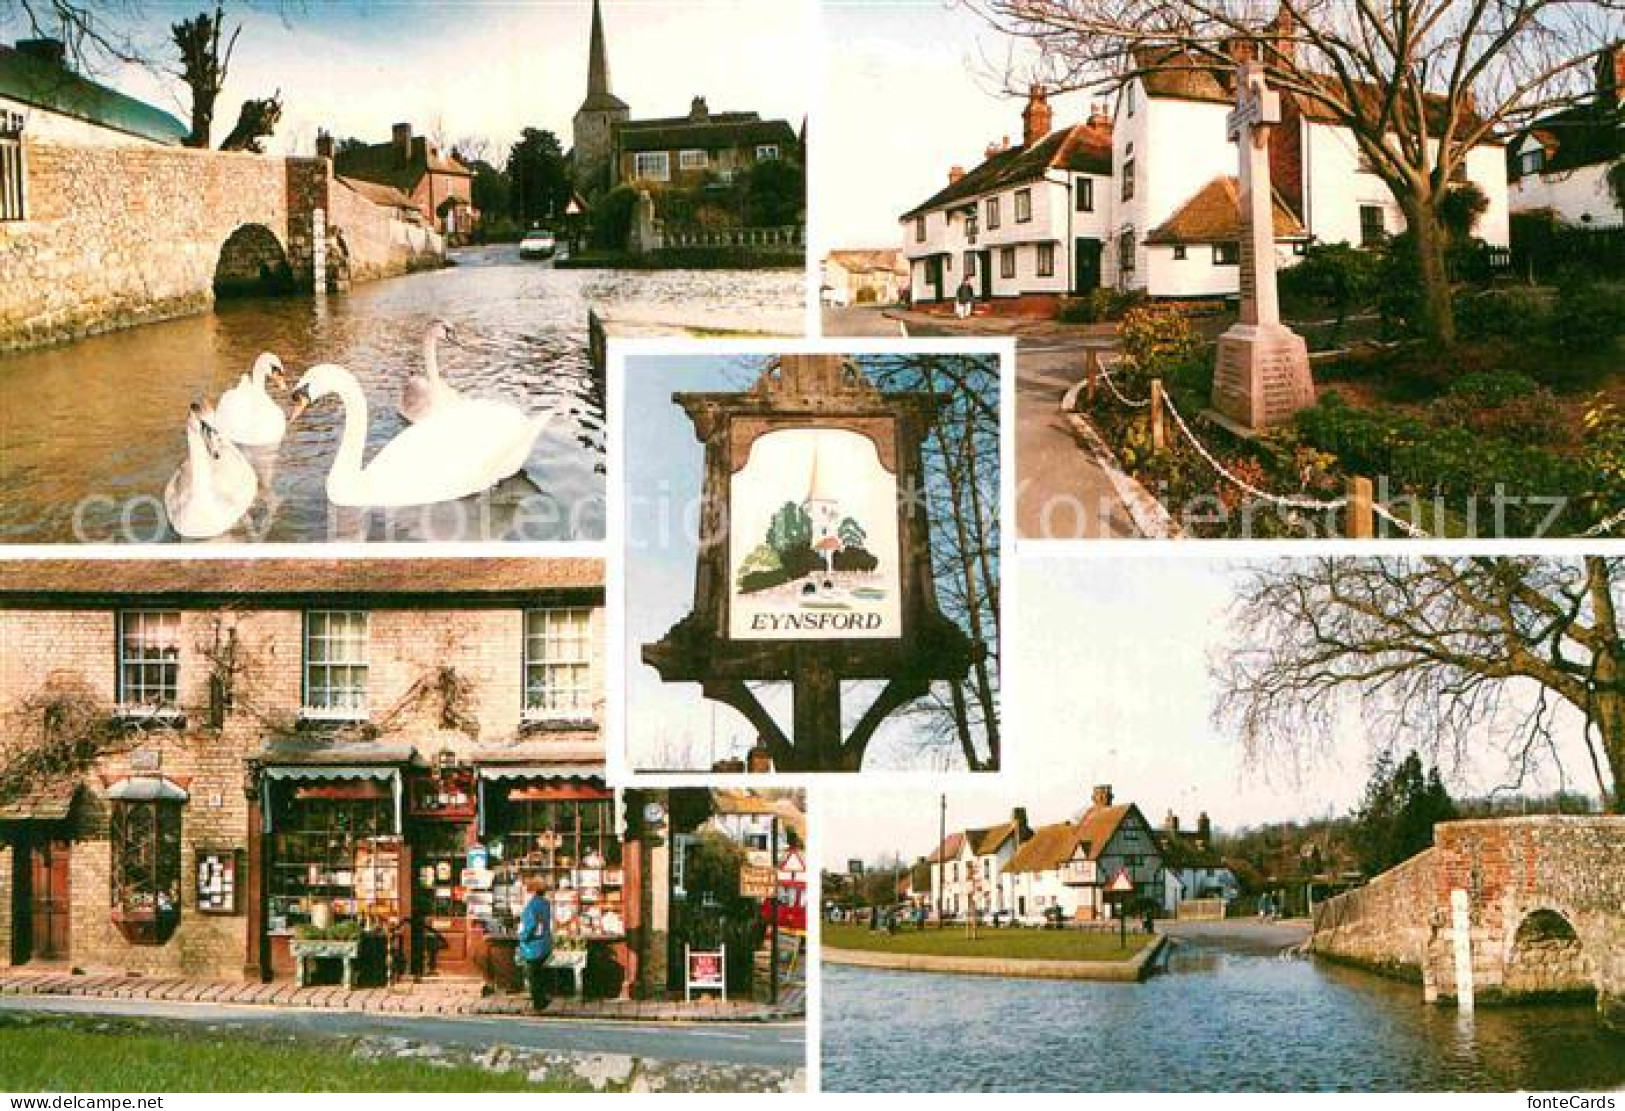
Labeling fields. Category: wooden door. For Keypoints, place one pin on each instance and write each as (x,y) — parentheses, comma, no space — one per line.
(1086,263)
(48,902)
(439,911)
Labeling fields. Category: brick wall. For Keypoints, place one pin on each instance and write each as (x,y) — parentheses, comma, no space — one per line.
(1385,925)
(379,245)
(483,646)
(1547,911)
(119,236)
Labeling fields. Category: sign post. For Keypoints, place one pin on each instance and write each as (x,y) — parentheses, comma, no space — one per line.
(705,970)
(1118,892)
(1262,377)
(814,562)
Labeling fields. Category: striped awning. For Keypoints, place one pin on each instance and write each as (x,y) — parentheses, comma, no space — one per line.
(497,773)
(307,773)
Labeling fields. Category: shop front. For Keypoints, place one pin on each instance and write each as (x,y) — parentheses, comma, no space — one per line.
(562,824)
(418,869)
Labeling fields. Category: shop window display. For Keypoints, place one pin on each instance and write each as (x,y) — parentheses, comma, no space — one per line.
(336,858)
(569,842)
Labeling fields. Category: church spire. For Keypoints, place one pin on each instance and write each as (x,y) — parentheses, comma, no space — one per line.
(598,93)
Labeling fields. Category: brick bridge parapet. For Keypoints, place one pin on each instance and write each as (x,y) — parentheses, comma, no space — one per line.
(119,236)
(1498,909)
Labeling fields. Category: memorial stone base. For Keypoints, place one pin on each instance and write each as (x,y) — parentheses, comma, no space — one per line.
(1262,377)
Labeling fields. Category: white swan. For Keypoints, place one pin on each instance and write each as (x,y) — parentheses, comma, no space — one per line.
(459,450)
(246,414)
(214,486)
(425,390)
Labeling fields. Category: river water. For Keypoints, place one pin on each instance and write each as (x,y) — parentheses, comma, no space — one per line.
(1227,1015)
(91,431)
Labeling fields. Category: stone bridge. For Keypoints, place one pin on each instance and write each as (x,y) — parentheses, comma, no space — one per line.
(117,236)
(1499,909)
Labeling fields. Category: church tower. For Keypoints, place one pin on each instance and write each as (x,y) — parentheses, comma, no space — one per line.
(597,118)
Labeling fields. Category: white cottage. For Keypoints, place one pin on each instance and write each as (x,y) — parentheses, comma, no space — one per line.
(42,97)
(1026,227)
(967,866)
(1193,868)
(1562,162)
(1065,868)
(1177,229)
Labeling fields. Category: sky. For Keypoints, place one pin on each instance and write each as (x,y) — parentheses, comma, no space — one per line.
(485,67)
(910,89)
(1108,681)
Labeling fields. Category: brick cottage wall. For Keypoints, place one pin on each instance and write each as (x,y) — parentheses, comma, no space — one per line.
(1547,911)
(484,647)
(119,236)
(380,246)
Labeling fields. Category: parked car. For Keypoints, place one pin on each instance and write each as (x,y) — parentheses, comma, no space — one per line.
(538,243)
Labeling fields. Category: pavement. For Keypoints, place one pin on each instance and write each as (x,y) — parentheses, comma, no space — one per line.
(427,997)
(1067,485)
(771,1045)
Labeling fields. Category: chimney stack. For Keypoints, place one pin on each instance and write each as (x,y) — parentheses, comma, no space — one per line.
(698,110)
(1099,119)
(1103,794)
(402,135)
(1171,822)
(1037,119)
(954,174)
(1204,828)
(1283,40)
(52,52)
(758,760)
(1610,73)
(1019,817)
(324,144)
(1240,49)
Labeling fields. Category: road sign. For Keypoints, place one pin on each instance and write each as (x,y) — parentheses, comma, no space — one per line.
(1121,884)
(757,882)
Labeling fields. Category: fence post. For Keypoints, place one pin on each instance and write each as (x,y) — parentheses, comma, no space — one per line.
(1091,375)
(1157,437)
(1361,522)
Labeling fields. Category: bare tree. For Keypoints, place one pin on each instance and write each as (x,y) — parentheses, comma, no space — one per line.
(93,31)
(1418,83)
(204,66)
(1440,653)
(962,482)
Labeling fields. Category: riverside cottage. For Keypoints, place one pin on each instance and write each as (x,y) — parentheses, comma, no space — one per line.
(1062,871)
(206,761)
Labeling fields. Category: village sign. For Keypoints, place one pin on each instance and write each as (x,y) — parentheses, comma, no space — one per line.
(814,561)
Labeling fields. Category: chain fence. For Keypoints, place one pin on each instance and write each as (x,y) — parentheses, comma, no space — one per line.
(1293,502)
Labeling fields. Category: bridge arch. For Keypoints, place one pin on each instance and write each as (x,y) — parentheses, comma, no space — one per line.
(1546,956)
(252,262)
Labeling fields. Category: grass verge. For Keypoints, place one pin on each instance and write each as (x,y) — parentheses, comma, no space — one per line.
(73,1055)
(1004,944)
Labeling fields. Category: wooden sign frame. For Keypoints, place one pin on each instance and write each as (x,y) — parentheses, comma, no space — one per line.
(825,392)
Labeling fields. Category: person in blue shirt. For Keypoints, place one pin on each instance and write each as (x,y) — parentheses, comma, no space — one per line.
(536,942)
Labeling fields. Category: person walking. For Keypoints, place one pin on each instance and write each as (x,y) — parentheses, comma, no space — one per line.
(965,298)
(536,942)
